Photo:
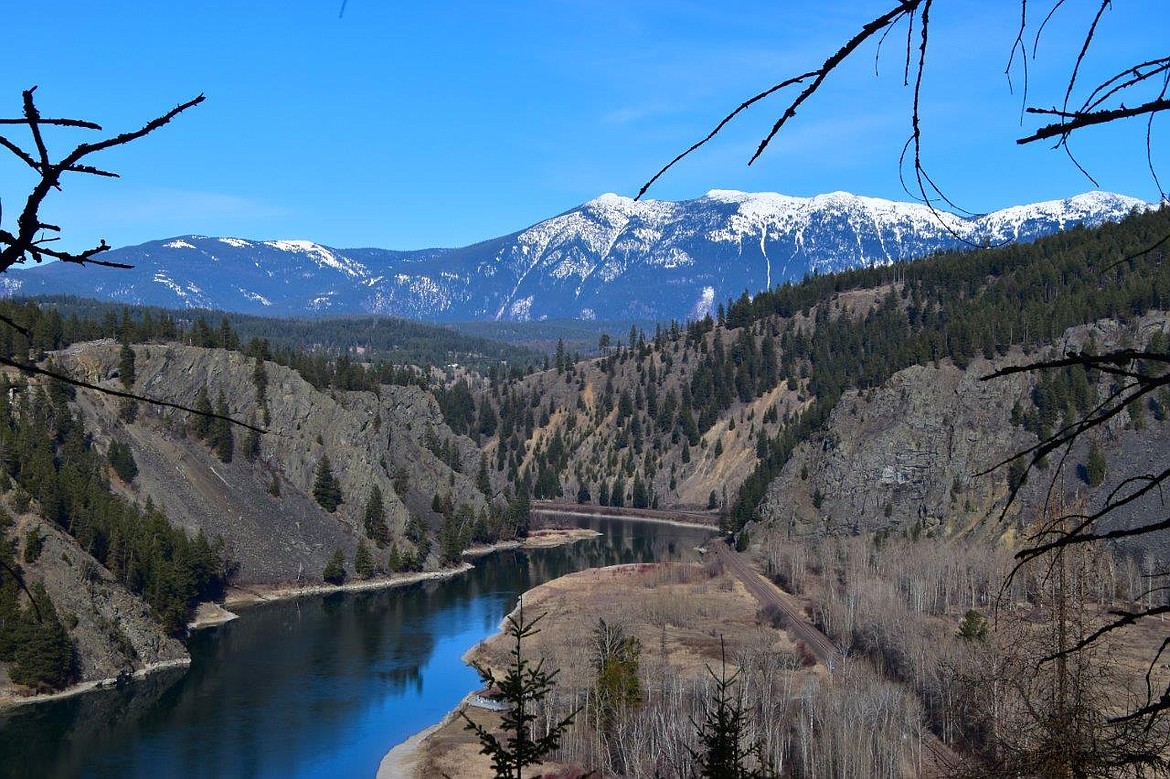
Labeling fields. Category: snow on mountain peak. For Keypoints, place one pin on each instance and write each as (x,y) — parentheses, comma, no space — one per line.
(611,200)
(611,257)
(323,256)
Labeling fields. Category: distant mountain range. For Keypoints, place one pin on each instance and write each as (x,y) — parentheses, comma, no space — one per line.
(611,258)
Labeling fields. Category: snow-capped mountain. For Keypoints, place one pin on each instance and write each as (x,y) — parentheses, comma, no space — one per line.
(611,258)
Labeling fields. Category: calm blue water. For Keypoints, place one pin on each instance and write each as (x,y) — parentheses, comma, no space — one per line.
(317,687)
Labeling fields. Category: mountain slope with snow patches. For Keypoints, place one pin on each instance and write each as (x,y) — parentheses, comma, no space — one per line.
(610,258)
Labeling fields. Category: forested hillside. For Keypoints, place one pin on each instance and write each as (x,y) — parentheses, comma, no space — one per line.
(370,339)
(678,416)
(848,404)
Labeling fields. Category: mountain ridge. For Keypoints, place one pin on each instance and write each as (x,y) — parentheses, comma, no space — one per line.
(611,257)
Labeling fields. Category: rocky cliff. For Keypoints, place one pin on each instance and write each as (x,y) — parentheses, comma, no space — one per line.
(919,453)
(264,508)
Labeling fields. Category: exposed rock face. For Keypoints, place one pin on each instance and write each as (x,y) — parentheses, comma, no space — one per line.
(111,628)
(274,538)
(285,537)
(918,454)
(908,452)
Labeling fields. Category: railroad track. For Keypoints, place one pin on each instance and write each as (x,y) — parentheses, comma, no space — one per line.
(938,758)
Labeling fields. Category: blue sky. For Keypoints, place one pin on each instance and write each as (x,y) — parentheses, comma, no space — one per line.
(440,124)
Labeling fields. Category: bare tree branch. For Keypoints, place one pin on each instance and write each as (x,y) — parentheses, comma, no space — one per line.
(24,243)
(1078,120)
(818,77)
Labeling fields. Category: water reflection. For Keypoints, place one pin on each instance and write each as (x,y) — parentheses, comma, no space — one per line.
(320,686)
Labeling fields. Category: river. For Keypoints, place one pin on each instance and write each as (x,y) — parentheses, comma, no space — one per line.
(320,686)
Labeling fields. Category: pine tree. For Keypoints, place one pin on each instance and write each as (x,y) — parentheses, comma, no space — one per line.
(122,461)
(43,657)
(523,688)
(615,663)
(221,438)
(1095,466)
(374,518)
(127,407)
(482,482)
(126,370)
(638,495)
(363,561)
(334,572)
(451,540)
(325,487)
(201,422)
(394,560)
(723,754)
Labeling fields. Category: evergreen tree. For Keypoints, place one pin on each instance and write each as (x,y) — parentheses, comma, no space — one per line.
(1096,466)
(639,498)
(617,495)
(451,540)
(973,626)
(374,517)
(201,422)
(523,688)
(394,560)
(126,369)
(416,532)
(334,572)
(722,753)
(615,663)
(34,542)
(122,461)
(221,438)
(43,657)
(482,482)
(363,561)
(326,488)
(127,407)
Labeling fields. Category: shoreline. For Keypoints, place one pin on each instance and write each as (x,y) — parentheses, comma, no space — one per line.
(627,518)
(259,594)
(403,758)
(9,702)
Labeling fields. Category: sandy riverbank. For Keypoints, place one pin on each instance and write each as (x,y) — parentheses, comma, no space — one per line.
(10,700)
(676,611)
(629,517)
(255,594)
(403,760)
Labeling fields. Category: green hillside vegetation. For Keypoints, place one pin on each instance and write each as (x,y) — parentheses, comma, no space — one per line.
(49,457)
(658,402)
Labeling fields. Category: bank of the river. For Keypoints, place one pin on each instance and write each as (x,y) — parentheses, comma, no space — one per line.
(10,700)
(677,611)
(313,686)
(241,597)
(690,519)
